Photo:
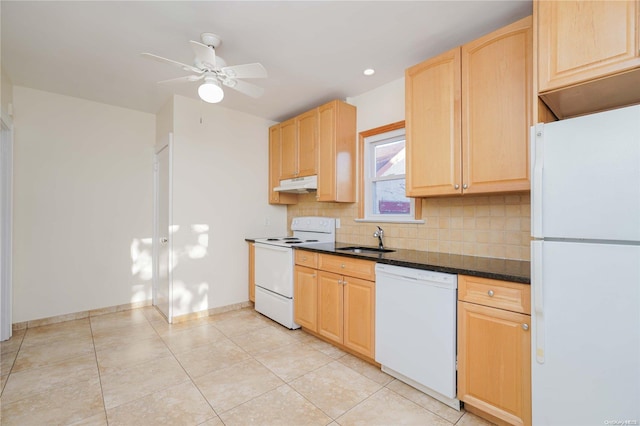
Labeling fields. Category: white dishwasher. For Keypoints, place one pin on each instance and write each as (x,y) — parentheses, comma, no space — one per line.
(416,329)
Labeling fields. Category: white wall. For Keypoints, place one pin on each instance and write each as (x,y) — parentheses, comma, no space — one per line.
(220,190)
(380,106)
(6,91)
(82,206)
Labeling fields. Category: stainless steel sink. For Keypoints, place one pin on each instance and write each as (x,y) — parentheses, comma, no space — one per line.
(362,249)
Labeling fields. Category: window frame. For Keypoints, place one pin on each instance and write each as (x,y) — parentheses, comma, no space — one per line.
(367,141)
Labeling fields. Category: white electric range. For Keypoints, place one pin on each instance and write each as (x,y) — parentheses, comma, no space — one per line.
(274,266)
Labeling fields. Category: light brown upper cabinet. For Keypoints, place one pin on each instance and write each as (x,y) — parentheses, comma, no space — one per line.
(337,152)
(588,56)
(468,113)
(299,146)
(275,150)
(321,141)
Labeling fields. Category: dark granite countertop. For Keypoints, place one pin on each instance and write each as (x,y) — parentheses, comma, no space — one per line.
(485,267)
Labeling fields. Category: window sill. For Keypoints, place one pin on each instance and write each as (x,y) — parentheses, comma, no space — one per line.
(389,221)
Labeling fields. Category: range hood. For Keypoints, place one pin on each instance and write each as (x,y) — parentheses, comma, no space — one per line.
(299,185)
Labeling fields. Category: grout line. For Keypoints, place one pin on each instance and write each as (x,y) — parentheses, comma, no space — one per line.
(95,354)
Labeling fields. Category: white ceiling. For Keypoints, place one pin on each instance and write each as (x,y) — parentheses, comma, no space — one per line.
(313,51)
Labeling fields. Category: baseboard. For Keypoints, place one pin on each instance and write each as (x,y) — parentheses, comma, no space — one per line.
(209,312)
(79,315)
(126,307)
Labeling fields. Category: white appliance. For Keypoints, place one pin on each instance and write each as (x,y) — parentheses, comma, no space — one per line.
(586,270)
(416,329)
(274,266)
(299,185)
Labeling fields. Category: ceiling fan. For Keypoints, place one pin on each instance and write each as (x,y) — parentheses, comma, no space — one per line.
(215,72)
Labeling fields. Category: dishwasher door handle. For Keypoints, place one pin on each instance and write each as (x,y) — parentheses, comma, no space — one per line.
(406,277)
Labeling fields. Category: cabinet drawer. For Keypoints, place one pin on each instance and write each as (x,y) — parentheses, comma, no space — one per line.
(358,268)
(495,293)
(306,258)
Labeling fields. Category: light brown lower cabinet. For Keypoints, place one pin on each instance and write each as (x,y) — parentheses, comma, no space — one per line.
(252,272)
(494,349)
(305,302)
(345,311)
(336,305)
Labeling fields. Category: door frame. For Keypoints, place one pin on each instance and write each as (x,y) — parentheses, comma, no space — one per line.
(165,143)
(6,225)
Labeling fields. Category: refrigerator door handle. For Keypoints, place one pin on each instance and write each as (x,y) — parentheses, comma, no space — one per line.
(537,169)
(538,300)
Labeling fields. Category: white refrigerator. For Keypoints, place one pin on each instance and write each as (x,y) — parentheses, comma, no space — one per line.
(585,270)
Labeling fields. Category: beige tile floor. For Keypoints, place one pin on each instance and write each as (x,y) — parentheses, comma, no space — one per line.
(237,368)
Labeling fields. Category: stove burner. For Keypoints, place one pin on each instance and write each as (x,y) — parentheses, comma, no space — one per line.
(310,241)
(293,242)
(273,239)
(290,238)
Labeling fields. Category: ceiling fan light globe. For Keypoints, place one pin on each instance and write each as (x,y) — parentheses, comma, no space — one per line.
(211,92)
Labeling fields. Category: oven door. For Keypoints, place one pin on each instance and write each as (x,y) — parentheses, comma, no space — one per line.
(274,269)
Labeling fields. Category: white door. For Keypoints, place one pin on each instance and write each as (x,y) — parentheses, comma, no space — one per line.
(586,177)
(6,189)
(585,333)
(162,289)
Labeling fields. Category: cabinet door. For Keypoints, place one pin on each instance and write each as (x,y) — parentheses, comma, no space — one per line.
(252,272)
(497,109)
(580,41)
(494,362)
(274,169)
(330,306)
(433,126)
(288,153)
(326,152)
(305,292)
(359,315)
(307,143)
(336,152)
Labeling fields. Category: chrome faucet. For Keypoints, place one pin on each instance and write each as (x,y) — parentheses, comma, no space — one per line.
(379,234)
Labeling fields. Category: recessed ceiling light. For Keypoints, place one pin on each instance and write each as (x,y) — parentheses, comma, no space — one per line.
(369,71)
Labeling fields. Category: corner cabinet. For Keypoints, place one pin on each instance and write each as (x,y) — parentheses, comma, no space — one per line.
(319,142)
(468,114)
(252,272)
(588,55)
(337,152)
(336,300)
(494,349)
(275,154)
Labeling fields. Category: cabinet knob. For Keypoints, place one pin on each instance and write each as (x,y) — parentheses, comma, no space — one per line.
(304,257)
(490,293)
(456,186)
(339,281)
(344,282)
(464,186)
(313,276)
(342,266)
(525,327)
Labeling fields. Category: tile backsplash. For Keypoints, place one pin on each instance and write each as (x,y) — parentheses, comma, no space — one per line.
(486,226)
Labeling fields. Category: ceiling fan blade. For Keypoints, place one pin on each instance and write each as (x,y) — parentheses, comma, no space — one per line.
(187,79)
(244,87)
(171,61)
(204,53)
(255,70)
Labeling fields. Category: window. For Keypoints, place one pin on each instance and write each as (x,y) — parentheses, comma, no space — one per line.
(383,175)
